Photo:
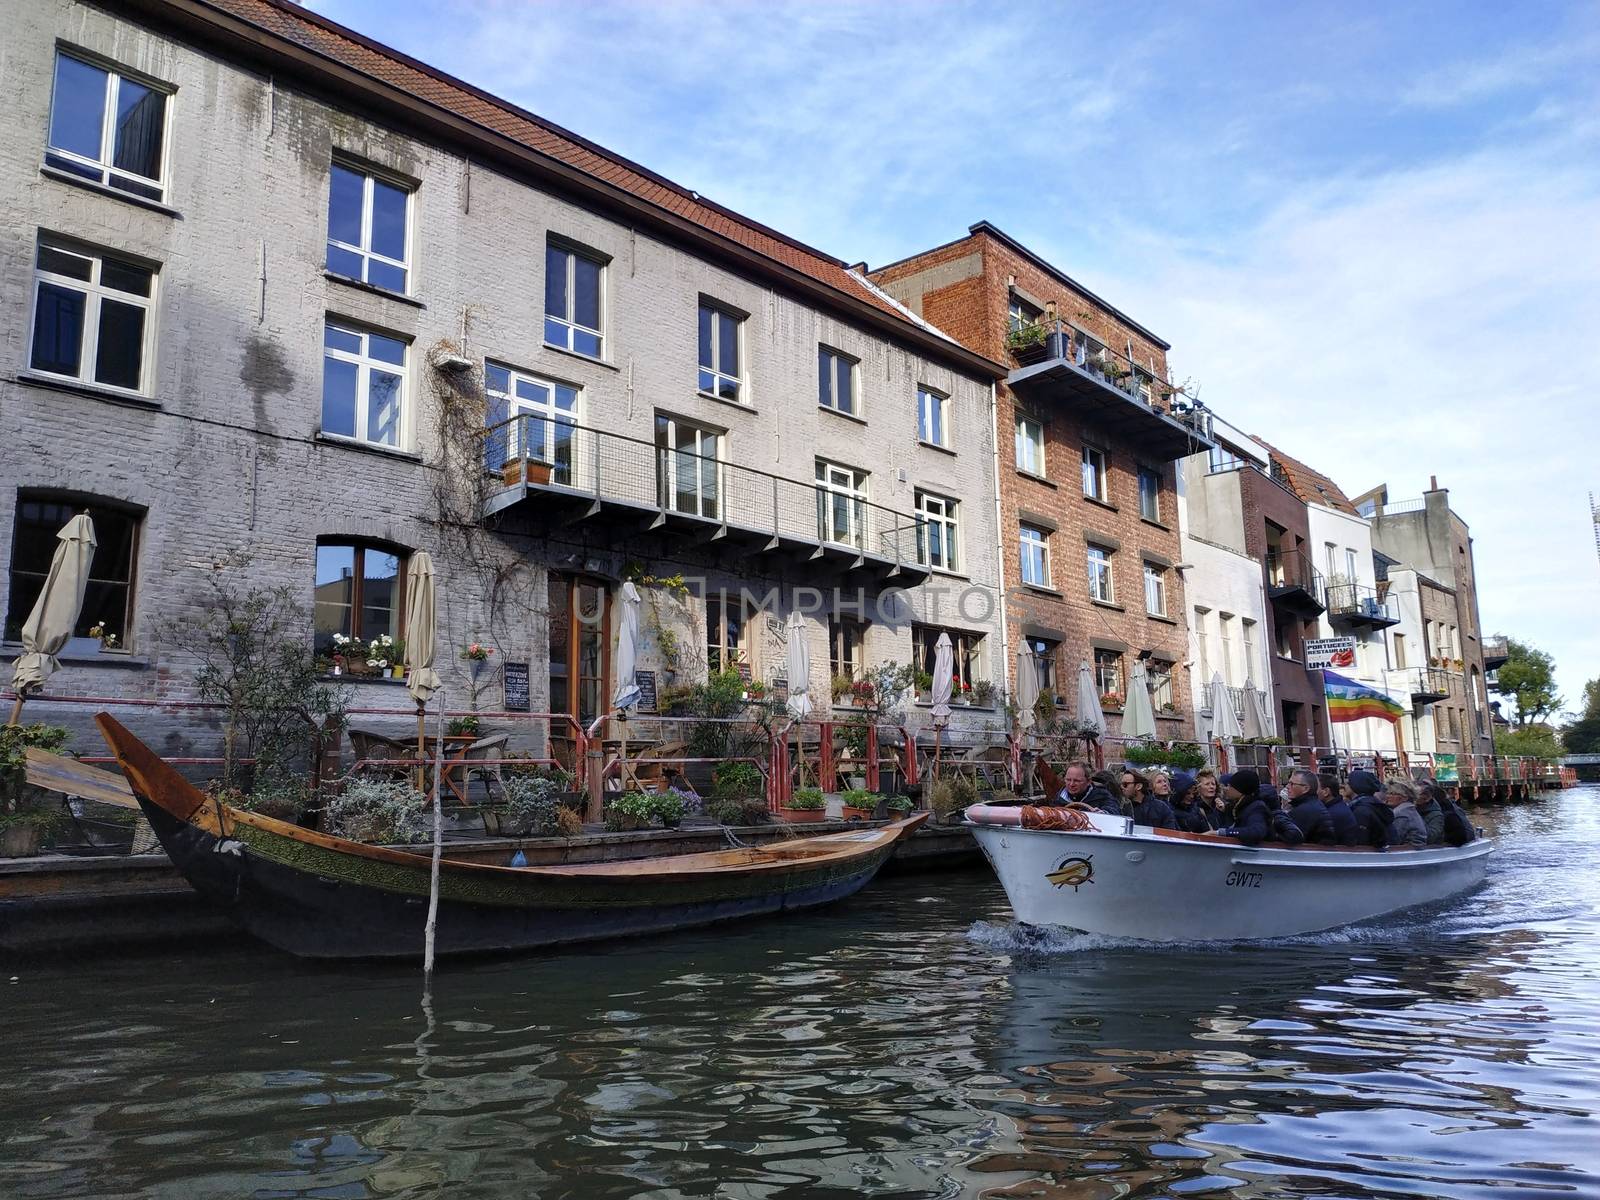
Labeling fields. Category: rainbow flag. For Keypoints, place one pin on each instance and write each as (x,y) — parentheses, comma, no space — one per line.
(1352,701)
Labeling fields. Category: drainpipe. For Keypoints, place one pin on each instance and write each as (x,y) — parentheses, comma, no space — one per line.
(999,533)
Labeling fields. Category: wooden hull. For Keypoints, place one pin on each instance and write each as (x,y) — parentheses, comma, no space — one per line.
(323,897)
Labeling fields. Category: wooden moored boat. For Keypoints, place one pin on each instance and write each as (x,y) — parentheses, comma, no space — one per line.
(320,896)
(1102,874)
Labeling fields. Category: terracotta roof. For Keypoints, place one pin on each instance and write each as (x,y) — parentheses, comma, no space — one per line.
(1313,487)
(352,50)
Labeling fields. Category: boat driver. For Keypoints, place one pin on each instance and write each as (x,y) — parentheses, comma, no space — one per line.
(1079,790)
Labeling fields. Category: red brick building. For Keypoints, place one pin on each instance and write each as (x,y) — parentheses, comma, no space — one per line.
(1089,432)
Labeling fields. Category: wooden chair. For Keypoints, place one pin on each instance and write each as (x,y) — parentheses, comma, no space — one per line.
(374,747)
(480,759)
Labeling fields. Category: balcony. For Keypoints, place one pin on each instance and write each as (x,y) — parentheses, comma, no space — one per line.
(1429,684)
(1356,606)
(1294,584)
(1056,365)
(556,472)
(1495,653)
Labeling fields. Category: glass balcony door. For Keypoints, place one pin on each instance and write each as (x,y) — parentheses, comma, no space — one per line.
(689,468)
(841,505)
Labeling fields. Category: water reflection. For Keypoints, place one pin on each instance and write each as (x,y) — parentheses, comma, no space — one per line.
(910,1043)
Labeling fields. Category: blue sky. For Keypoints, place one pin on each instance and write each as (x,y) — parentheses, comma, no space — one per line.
(1371,232)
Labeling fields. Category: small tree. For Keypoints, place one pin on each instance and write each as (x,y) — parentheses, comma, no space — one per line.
(1529,679)
(1536,741)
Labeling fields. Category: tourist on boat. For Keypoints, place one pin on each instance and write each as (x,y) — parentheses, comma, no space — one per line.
(1408,828)
(1187,812)
(1305,808)
(1080,789)
(1213,803)
(1145,808)
(1251,819)
(1160,785)
(1430,807)
(1346,830)
(1372,815)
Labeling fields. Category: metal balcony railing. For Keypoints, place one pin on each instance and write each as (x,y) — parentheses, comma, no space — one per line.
(1495,653)
(1292,576)
(1428,683)
(562,458)
(1359,605)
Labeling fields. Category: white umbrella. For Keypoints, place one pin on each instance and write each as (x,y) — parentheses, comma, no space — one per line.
(944,673)
(1252,727)
(1027,687)
(1139,717)
(1264,712)
(1224,721)
(627,655)
(55,614)
(1090,715)
(797,663)
(422,631)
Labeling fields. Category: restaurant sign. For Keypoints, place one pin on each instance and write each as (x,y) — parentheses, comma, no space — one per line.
(1330,652)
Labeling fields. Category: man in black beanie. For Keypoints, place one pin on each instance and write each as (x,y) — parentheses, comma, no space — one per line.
(1250,818)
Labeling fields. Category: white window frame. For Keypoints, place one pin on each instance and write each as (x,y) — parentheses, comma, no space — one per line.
(94,292)
(1225,637)
(668,458)
(933,406)
(942,513)
(369,178)
(1026,428)
(740,387)
(1033,544)
(365,365)
(1154,475)
(1155,589)
(835,480)
(831,401)
(1248,632)
(547,411)
(566,320)
(1095,468)
(1159,681)
(1017,314)
(1202,656)
(1118,673)
(108,134)
(1102,584)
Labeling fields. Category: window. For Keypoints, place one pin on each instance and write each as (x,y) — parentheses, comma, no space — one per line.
(1094,473)
(1249,628)
(1453,724)
(1108,676)
(108,597)
(966,653)
(1202,657)
(1350,565)
(363,385)
(1145,384)
(933,417)
(1399,651)
(107,128)
(1044,652)
(1159,675)
(1225,637)
(720,334)
(546,423)
(836,374)
(1155,590)
(1020,314)
(937,531)
(846,637)
(573,300)
(1100,586)
(688,467)
(1283,638)
(841,504)
(369,228)
(1035,545)
(91,317)
(728,629)
(1030,446)
(1149,494)
(358,593)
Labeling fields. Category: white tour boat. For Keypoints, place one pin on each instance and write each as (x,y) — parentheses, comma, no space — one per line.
(1110,876)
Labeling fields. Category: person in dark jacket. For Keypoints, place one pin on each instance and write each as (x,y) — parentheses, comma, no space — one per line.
(1079,790)
(1371,813)
(1146,809)
(1208,795)
(1306,809)
(1345,830)
(1408,828)
(1430,807)
(1187,812)
(1250,818)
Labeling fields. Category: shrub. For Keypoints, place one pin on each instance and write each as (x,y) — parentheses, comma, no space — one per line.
(568,823)
(860,798)
(284,799)
(808,799)
(1144,754)
(381,811)
(737,781)
(1186,756)
(951,794)
(631,810)
(729,811)
(531,806)
(21,803)
(899,804)
(670,806)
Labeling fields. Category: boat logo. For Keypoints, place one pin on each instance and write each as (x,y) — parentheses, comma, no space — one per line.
(1073,871)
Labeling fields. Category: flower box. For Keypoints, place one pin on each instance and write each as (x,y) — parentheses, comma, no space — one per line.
(524,470)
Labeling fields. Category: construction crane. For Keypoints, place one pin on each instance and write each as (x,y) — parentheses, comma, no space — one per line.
(1594,512)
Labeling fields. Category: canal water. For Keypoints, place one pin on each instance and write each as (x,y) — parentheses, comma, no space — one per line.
(910,1042)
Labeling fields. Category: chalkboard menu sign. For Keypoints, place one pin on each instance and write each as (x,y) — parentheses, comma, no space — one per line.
(515,675)
(646,683)
(744,671)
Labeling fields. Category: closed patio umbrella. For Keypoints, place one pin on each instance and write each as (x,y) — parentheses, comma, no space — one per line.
(944,675)
(797,665)
(627,657)
(1252,726)
(55,614)
(1090,715)
(421,632)
(1139,717)
(1027,687)
(1224,721)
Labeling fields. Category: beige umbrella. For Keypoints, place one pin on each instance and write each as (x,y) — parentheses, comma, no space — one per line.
(627,653)
(55,615)
(1139,717)
(1027,687)
(1090,715)
(422,681)
(944,675)
(1224,720)
(797,664)
(1252,725)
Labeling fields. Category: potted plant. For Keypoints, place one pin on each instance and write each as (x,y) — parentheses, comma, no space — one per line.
(859,804)
(670,806)
(467,728)
(107,639)
(26,813)
(1044,708)
(950,797)
(840,685)
(896,807)
(924,682)
(738,794)
(629,812)
(1186,756)
(524,470)
(983,693)
(807,804)
(349,655)
(1027,343)
(1111,700)
(382,811)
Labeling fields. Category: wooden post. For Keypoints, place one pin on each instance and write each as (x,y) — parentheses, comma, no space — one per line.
(872,758)
(827,778)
